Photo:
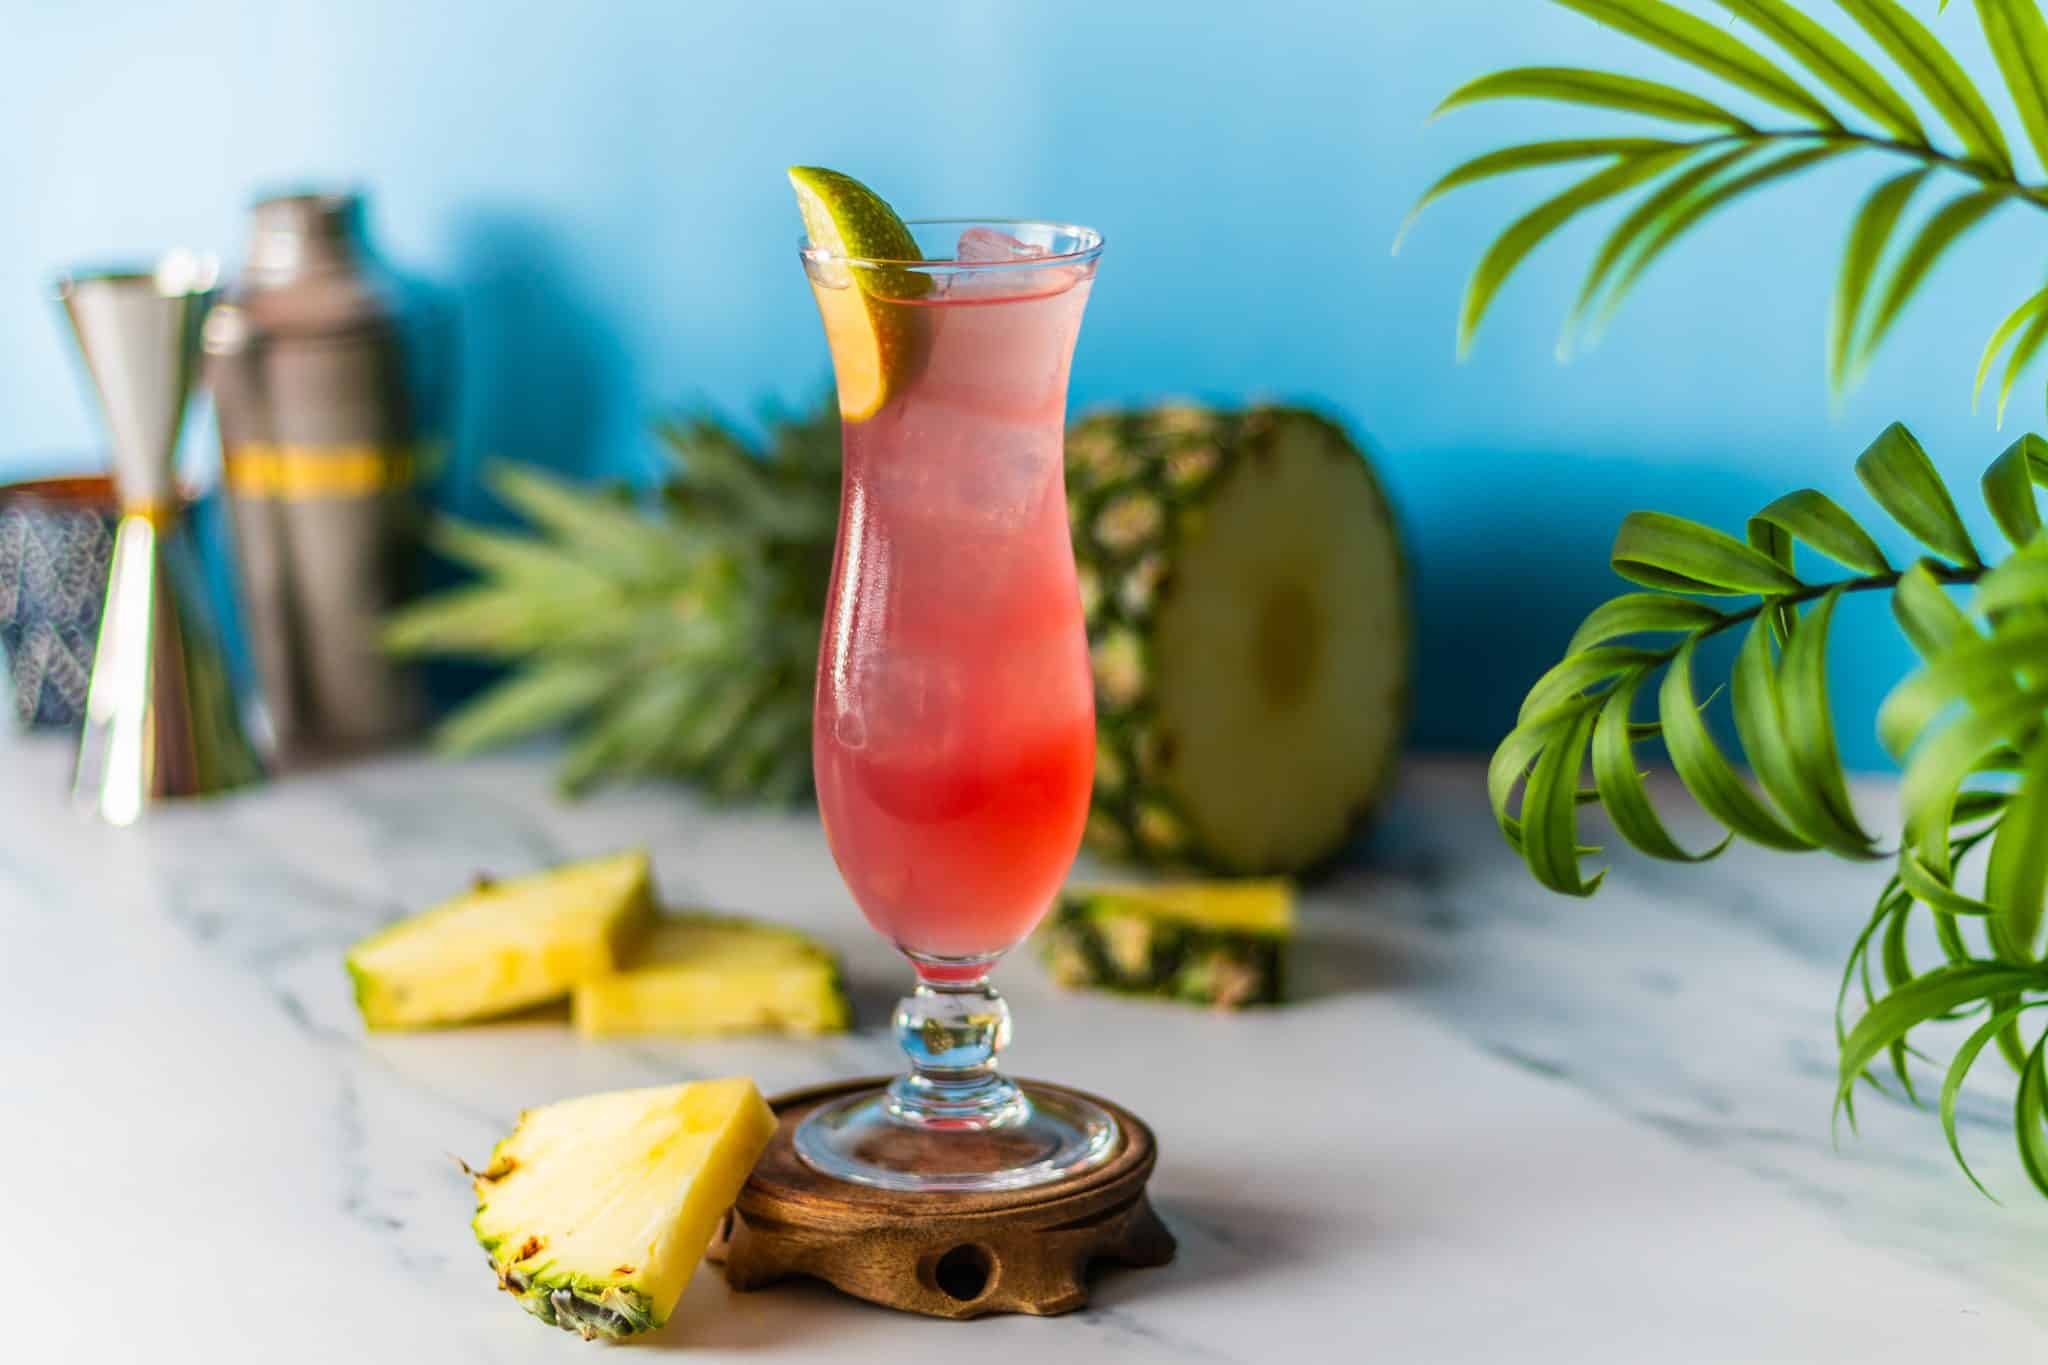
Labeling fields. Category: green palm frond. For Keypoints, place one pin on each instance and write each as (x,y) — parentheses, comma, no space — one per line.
(1970,726)
(1839,104)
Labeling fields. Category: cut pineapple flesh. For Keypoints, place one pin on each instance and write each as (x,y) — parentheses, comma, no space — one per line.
(701,975)
(1273,761)
(504,946)
(1213,943)
(596,1211)
(1249,625)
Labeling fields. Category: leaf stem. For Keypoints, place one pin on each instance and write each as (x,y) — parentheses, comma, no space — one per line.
(1990,176)
(1949,575)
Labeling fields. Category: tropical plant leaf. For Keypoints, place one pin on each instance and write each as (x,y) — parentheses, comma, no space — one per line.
(1941,231)
(2009,493)
(1641,613)
(1868,235)
(1657,550)
(2016,878)
(1527,232)
(1817,520)
(1834,62)
(1533,156)
(1761,723)
(1896,471)
(1550,814)
(2016,319)
(1576,672)
(1938,75)
(1705,200)
(1619,784)
(1693,40)
(2030,1113)
(1929,996)
(1599,89)
(1810,726)
(1706,772)
(2018,38)
(1931,621)
(1959,1070)
(1655,208)
(1943,761)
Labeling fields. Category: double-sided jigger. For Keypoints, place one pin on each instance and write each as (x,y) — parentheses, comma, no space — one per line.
(162,718)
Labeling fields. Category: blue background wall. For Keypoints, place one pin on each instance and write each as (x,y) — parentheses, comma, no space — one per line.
(600,188)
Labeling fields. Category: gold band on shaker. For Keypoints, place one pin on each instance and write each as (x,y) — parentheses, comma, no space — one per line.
(295,473)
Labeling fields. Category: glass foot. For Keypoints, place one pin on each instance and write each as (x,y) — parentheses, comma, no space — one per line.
(1008,1138)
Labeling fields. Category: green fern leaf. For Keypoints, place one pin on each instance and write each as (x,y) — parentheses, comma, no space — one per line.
(1939,77)
(1868,235)
(1705,200)
(1527,232)
(1693,40)
(1598,89)
(1817,520)
(1533,156)
(2018,38)
(1834,62)
(1705,771)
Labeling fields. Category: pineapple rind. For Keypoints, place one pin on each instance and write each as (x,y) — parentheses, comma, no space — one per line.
(1137,943)
(593,1305)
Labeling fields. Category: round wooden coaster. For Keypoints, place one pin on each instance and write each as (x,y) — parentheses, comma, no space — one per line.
(947,1255)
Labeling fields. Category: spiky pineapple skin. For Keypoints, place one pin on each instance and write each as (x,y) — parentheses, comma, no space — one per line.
(1096,939)
(1139,484)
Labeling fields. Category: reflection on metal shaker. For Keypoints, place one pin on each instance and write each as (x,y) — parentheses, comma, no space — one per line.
(322,444)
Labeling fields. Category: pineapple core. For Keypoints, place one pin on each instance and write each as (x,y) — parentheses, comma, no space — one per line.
(596,1211)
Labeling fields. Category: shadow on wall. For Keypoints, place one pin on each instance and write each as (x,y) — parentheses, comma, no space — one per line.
(1516,557)
(540,371)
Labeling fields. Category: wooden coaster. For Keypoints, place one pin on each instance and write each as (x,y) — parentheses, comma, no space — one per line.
(946,1255)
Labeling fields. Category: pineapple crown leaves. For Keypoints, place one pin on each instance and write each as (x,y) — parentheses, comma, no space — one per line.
(1970,725)
(677,638)
(1837,104)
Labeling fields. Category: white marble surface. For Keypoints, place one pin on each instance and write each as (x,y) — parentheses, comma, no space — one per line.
(1503,1127)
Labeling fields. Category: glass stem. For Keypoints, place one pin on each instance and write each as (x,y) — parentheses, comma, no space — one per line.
(951,1029)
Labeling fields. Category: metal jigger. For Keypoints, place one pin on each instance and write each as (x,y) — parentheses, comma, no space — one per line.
(161,715)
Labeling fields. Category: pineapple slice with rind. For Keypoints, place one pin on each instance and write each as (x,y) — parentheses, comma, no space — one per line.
(504,946)
(1215,943)
(596,1211)
(1249,624)
(701,975)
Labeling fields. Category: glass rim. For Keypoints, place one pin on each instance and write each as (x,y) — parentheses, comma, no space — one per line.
(1090,247)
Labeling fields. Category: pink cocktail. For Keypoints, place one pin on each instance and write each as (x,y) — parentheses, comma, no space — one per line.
(955,726)
(955,719)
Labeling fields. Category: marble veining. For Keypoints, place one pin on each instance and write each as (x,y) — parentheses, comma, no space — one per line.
(1499,1125)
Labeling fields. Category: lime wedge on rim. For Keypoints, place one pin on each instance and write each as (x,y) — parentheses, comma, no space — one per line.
(876,342)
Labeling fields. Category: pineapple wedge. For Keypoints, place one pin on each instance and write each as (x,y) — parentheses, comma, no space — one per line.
(1215,943)
(596,1211)
(504,946)
(700,975)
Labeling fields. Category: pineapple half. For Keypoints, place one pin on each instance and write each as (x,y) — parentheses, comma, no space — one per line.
(504,946)
(1249,624)
(701,975)
(596,1211)
(1213,943)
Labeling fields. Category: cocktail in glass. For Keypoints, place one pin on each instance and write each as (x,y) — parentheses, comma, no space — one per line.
(955,722)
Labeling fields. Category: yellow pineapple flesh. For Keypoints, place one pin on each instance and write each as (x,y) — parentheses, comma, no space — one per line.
(504,946)
(701,975)
(596,1211)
